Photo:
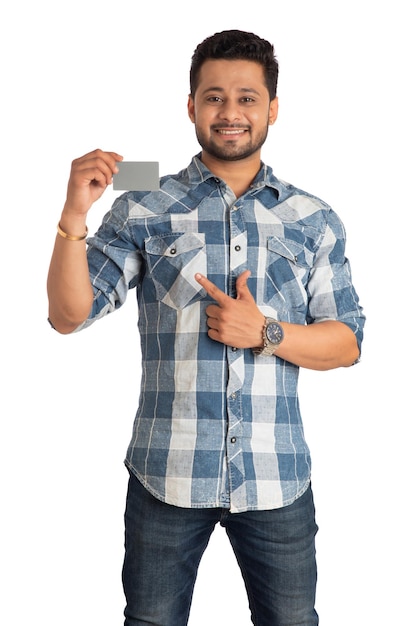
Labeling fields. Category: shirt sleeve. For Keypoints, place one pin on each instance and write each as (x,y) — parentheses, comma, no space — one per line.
(332,295)
(114,261)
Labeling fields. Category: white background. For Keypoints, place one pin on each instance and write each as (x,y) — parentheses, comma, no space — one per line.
(77,75)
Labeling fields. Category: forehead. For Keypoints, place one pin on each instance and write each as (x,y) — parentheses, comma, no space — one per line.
(231,74)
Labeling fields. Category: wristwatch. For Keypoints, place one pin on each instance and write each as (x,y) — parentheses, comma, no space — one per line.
(273,335)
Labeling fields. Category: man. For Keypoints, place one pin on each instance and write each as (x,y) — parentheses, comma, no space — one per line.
(241,279)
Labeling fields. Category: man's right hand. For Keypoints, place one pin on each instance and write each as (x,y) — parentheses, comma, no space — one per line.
(90,175)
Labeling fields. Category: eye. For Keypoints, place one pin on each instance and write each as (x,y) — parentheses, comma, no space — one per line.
(247,100)
(214,99)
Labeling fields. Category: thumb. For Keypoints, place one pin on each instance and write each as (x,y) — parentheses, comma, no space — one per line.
(243,292)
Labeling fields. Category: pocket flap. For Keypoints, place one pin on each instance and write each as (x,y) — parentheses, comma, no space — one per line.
(289,249)
(174,244)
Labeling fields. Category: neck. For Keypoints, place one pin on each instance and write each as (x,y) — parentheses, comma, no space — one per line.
(238,175)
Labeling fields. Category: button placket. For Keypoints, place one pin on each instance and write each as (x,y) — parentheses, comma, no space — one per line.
(236,369)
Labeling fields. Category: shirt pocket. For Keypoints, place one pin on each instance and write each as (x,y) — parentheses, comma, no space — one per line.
(173,260)
(288,266)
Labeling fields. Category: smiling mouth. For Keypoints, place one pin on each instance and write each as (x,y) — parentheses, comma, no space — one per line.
(231,131)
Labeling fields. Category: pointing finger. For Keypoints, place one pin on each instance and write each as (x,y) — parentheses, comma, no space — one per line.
(212,290)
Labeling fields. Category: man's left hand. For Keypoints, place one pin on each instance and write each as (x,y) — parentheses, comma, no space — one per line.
(236,322)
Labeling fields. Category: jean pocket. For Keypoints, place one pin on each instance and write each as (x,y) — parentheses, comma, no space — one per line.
(173,261)
(288,266)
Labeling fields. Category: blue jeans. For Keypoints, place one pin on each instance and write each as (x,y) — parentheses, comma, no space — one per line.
(164,544)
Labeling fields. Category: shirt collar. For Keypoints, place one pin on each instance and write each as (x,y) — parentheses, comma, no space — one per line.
(199,173)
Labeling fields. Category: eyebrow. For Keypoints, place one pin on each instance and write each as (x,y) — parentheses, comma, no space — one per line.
(240,90)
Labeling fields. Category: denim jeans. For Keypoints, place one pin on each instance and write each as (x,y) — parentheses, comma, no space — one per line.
(164,544)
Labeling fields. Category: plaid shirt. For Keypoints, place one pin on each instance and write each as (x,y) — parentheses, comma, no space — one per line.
(218,426)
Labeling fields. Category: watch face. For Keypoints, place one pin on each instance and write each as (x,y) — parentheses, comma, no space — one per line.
(274,332)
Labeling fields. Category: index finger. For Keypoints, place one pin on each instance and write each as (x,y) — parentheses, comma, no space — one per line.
(98,157)
(110,158)
(113,156)
(214,291)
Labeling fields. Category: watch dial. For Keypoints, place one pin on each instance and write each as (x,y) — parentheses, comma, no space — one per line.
(274,332)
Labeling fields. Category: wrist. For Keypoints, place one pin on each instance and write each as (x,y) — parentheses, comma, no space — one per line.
(73,225)
(72,231)
(272,336)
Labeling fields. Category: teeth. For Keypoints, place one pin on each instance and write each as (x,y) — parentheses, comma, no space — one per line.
(231,132)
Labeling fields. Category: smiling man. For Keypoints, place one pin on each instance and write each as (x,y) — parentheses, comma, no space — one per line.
(241,279)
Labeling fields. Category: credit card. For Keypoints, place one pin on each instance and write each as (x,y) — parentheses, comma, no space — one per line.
(137,176)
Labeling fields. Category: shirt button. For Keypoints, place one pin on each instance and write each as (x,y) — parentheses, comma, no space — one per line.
(237,248)
(234,349)
(173,251)
(233,395)
(233,439)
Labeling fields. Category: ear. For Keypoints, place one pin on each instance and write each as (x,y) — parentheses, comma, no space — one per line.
(190,109)
(273,110)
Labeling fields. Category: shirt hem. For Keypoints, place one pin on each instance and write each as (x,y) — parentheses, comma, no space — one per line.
(216,505)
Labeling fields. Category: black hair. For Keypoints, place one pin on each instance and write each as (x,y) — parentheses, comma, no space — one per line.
(236,44)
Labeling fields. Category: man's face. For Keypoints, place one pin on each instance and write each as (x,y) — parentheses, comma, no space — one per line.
(231,109)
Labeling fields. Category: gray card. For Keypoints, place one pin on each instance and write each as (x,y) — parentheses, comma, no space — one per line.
(137,176)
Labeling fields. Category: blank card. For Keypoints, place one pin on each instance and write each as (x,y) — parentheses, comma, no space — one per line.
(137,176)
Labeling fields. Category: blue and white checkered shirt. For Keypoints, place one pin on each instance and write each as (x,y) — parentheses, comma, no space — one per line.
(218,426)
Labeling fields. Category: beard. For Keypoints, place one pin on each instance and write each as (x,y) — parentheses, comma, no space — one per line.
(231,150)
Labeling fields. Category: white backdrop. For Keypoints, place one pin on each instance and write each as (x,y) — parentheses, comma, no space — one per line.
(84,74)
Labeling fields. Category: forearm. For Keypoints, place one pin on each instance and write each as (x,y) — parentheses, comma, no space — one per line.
(321,346)
(69,290)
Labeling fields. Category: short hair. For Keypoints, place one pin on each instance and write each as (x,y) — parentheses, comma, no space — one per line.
(232,45)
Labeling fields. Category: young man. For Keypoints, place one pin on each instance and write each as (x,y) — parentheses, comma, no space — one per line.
(241,279)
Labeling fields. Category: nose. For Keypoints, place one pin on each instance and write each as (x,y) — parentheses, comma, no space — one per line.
(230,111)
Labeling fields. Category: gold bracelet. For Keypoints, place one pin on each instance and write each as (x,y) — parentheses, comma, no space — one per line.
(71,237)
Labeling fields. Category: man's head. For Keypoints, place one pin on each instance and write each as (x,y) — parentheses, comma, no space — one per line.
(233,96)
(236,45)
